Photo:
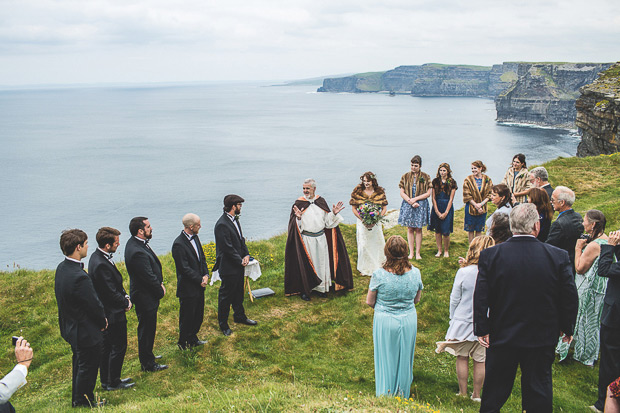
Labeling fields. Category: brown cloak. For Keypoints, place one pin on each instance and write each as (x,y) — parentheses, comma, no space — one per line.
(299,274)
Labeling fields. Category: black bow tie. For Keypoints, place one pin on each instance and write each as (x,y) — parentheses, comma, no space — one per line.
(109,255)
(193,237)
(82,265)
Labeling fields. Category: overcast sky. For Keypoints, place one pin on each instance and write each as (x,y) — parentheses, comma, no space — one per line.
(91,41)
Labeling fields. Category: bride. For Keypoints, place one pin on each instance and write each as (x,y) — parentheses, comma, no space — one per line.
(370,241)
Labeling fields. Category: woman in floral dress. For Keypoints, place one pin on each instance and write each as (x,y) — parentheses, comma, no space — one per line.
(415,188)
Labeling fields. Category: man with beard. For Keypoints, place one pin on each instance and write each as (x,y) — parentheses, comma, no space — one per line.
(108,283)
(231,258)
(146,288)
(192,277)
(315,250)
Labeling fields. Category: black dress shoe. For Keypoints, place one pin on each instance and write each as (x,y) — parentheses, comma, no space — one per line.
(226,331)
(305,297)
(247,322)
(127,380)
(155,367)
(121,386)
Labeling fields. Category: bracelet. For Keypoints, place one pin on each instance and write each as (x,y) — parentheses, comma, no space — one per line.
(22,361)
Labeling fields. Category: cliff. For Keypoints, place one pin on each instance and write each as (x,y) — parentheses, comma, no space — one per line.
(545,93)
(429,80)
(598,114)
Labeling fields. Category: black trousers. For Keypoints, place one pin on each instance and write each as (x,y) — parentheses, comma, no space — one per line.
(536,379)
(147,325)
(191,313)
(113,354)
(85,367)
(609,366)
(231,293)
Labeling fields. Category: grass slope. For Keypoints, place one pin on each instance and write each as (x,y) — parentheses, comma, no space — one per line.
(315,356)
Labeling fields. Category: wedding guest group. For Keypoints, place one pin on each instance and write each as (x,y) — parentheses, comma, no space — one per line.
(192,277)
(415,189)
(314,241)
(232,256)
(81,317)
(369,204)
(568,226)
(518,281)
(517,178)
(146,288)
(393,292)
(476,193)
(108,283)
(442,212)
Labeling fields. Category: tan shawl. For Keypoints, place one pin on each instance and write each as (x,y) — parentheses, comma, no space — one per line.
(520,184)
(422,185)
(360,198)
(470,191)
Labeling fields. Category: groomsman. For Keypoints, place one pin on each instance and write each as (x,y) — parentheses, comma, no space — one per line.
(80,316)
(146,288)
(192,277)
(231,258)
(108,283)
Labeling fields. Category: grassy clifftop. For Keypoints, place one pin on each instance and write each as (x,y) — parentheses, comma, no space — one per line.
(315,356)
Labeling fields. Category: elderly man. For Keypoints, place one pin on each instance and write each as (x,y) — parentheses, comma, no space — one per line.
(315,250)
(525,297)
(192,277)
(539,178)
(568,226)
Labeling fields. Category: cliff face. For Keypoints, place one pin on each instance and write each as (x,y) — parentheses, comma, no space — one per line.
(429,80)
(545,93)
(598,114)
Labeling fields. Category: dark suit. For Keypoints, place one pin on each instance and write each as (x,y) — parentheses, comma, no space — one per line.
(230,249)
(145,276)
(108,283)
(609,367)
(525,295)
(81,318)
(565,231)
(191,267)
(549,189)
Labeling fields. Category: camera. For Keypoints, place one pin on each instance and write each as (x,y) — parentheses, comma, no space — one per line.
(14,339)
(585,236)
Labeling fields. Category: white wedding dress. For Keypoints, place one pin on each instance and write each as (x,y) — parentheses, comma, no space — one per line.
(370,245)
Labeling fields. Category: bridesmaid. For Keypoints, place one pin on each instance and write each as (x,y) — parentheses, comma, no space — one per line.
(442,214)
(517,178)
(476,193)
(370,240)
(415,188)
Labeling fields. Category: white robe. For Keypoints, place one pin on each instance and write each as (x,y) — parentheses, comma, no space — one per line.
(314,219)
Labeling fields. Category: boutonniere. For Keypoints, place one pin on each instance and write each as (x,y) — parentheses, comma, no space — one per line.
(486,180)
(421,179)
(449,181)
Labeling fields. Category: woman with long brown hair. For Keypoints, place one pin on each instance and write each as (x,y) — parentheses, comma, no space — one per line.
(540,198)
(501,198)
(517,178)
(442,213)
(369,198)
(393,292)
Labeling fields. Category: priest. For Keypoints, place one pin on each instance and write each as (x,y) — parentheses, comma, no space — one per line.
(315,253)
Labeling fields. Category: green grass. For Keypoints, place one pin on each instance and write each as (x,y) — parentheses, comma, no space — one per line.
(315,356)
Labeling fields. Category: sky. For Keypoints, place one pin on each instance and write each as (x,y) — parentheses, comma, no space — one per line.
(125,41)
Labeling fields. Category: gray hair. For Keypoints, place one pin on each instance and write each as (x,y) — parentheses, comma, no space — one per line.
(523,218)
(190,219)
(310,182)
(540,172)
(564,194)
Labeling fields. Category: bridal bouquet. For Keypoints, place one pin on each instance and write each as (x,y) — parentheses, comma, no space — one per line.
(370,213)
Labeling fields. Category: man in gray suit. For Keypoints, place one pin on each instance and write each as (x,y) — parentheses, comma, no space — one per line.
(17,377)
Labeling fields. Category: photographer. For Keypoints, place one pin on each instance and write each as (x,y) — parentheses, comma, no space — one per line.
(17,377)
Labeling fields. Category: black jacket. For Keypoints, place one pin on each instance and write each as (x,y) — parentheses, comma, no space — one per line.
(108,283)
(190,268)
(80,313)
(610,316)
(525,294)
(145,275)
(565,231)
(230,248)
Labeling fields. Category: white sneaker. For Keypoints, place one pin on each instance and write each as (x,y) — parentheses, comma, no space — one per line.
(476,399)
(594,409)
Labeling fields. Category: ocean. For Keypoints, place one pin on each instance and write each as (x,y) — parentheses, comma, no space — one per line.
(87,157)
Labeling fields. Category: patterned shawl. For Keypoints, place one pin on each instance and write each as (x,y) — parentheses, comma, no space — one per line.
(360,198)
(520,184)
(422,185)
(470,191)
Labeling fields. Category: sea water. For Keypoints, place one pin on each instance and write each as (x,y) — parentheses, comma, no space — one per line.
(87,157)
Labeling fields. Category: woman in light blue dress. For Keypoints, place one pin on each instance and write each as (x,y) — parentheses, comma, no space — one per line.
(393,292)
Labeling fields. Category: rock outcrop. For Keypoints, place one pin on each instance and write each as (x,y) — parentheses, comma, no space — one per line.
(598,114)
(545,93)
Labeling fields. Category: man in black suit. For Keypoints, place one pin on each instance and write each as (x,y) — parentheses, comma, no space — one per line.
(539,178)
(609,367)
(146,287)
(108,283)
(192,277)
(80,316)
(231,258)
(568,226)
(525,298)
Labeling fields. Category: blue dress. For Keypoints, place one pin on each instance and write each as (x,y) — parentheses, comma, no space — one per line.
(414,217)
(442,226)
(394,330)
(474,223)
